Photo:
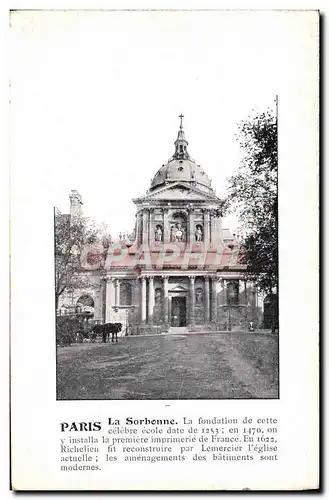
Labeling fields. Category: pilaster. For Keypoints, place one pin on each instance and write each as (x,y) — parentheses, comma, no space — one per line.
(192,300)
(143,300)
(166,298)
(207,299)
(145,226)
(151,300)
(206,227)
(214,311)
(166,231)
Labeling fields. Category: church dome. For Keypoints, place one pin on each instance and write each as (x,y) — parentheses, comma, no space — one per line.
(181,167)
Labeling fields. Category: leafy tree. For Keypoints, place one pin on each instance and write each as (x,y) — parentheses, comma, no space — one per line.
(253,195)
(71,235)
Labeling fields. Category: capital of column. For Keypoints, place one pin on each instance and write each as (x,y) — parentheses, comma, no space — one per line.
(165,278)
(192,278)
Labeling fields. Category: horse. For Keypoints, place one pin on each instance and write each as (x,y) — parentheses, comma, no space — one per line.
(106,329)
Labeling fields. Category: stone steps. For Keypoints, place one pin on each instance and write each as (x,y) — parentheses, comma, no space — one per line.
(178,329)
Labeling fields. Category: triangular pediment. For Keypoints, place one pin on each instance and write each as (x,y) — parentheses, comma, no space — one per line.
(178,191)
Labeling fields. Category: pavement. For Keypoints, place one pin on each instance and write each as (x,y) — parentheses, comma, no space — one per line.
(177,366)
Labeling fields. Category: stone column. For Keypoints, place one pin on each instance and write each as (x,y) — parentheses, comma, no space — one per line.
(214,300)
(223,298)
(221,301)
(98,302)
(151,228)
(103,291)
(206,299)
(135,300)
(145,226)
(206,227)
(143,300)
(192,300)
(191,239)
(117,292)
(110,299)
(166,299)
(242,292)
(166,230)
(138,228)
(151,300)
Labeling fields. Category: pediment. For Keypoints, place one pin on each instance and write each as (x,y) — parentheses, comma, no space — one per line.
(178,191)
(178,288)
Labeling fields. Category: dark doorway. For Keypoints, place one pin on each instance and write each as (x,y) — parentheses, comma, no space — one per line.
(178,311)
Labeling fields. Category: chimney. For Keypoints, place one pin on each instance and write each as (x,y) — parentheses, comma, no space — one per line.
(75,204)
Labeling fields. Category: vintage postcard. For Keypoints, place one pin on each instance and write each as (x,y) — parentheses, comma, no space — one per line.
(164,168)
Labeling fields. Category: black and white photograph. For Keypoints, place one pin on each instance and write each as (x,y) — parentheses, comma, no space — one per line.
(163,249)
(166,213)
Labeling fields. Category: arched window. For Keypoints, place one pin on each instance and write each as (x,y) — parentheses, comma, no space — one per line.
(233,292)
(85,301)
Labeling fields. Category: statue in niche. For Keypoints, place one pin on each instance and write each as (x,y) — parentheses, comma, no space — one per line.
(173,230)
(198,234)
(158,294)
(158,234)
(199,296)
(179,233)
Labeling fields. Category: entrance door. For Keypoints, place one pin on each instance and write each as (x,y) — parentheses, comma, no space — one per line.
(178,311)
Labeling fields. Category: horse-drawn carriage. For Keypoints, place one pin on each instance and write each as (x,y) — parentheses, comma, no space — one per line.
(71,326)
(93,329)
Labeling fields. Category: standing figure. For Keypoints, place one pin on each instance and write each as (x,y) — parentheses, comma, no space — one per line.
(173,231)
(158,234)
(198,235)
(179,233)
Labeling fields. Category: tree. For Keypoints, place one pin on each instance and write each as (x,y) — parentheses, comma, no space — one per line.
(71,235)
(253,195)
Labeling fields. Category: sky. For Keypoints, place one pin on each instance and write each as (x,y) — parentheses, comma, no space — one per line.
(98,94)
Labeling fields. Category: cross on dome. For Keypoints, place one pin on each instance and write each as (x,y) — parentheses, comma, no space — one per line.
(181,143)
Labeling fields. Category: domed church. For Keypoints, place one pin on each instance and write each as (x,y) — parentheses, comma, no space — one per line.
(180,270)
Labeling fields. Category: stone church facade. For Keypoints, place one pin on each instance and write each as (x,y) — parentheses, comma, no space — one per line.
(180,269)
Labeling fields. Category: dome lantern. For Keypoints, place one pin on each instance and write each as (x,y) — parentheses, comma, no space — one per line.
(181,143)
(181,167)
